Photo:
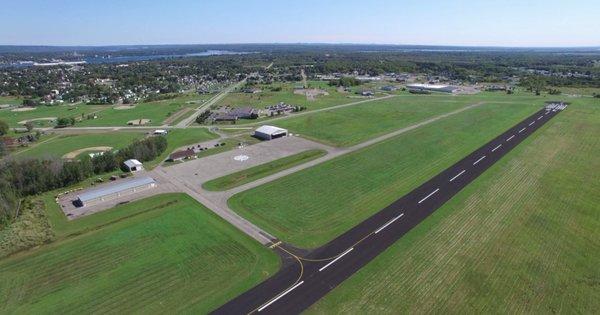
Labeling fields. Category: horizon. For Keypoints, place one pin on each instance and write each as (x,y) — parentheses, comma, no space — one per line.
(463,23)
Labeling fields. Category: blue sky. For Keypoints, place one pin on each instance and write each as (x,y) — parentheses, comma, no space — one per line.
(451,22)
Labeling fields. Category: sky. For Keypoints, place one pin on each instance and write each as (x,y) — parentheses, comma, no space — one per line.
(522,23)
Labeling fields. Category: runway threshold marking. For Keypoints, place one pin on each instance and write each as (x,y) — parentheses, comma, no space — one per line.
(389,222)
(429,195)
(280,296)
(510,138)
(480,159)
(522,130)
(338,258)
(457,175)
(496,148)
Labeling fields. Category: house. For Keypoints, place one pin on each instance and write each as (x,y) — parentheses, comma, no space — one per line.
(182,155)
(133,165)
(270,132)
(245,113)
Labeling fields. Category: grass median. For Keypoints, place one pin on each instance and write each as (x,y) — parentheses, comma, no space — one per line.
(249,175)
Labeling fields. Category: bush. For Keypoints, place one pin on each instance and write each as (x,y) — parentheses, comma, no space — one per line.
(30,229)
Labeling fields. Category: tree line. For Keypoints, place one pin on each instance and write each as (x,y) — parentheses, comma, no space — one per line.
(26,177)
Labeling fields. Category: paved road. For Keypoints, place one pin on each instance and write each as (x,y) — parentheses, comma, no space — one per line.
(298,285)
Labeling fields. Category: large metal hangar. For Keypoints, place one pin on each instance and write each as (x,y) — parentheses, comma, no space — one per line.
(270,132)
(113,191)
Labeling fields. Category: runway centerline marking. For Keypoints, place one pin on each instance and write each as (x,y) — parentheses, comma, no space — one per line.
(522,130)
(429,195)
(510,138)
(455,177)
(540,117)
(389,222)
(280,296)
(480,159)
(496,148)
(338,257)
(531,123)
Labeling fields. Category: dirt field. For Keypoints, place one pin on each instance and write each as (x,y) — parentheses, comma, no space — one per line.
(74,154)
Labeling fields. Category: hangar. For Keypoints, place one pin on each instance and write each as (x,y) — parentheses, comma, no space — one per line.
(270,132)
(113,191)
(432,87)
(133,165)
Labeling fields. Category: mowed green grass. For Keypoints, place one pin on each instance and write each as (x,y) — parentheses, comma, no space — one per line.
(14,118)
(155,111)
(313,206)
(177,257)
(59,145)
(268,97)
(522,238)
(260,171)
(351,125)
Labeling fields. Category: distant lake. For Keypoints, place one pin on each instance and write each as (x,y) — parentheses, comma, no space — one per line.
(126,59)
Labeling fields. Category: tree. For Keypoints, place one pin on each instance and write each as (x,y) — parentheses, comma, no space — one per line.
(3,128)
(29,126)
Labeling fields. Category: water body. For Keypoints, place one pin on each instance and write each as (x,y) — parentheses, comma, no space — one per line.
(134,58)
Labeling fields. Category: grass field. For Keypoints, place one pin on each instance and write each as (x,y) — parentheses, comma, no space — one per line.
(158,112)
(10,100)
(523,238)
(260,171)
(269,97)
(13,118)
(177,138)
(58,145)
(175,257)
(355,124)
(313,206)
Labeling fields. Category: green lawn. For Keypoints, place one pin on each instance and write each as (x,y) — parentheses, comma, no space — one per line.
(158,112)
(10,100)
(175,257)
(355,124)
(313,206)
(59,145)
(269,97)
(523,238)
(260,171)
(14,118)
(177,138)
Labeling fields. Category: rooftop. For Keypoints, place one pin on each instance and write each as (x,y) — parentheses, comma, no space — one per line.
(109,189)
(270,130)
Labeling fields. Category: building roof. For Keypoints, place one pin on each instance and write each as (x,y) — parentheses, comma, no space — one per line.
(243,111)
(132,163)
(270,130)
(110,189)
(182,154)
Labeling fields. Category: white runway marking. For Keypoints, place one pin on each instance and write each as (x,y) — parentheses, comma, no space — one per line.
(496,148)
(340,256)
(280,296)
(510,138)
(480,159)
(540,117)
(522,130)
(531,123)
(429,195)
(390,222)
(455,177)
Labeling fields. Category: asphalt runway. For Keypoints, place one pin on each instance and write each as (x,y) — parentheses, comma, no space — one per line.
(307,276)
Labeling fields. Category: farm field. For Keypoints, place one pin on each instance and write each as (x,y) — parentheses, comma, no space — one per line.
(522,238)
(338,194)
(59,145)
(152,262)
(269,97)
(260,171)
(351,125)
